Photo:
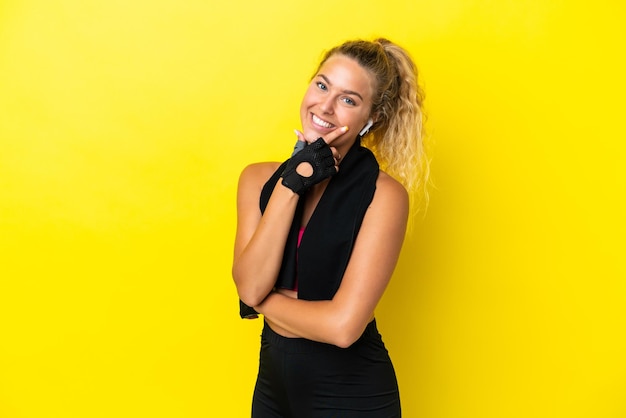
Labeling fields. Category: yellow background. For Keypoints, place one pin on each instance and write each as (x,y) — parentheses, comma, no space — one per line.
(124,125)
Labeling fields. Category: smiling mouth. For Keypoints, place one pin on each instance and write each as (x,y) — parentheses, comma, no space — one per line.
(322,123)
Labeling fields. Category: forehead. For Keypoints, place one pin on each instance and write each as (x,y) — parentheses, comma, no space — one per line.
(346,73)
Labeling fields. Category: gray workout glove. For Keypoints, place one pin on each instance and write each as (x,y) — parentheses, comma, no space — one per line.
(298,147)
(319,155)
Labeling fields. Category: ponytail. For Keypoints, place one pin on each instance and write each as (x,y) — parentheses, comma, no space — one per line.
(397,137)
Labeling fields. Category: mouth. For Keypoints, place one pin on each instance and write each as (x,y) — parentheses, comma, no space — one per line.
(320,123)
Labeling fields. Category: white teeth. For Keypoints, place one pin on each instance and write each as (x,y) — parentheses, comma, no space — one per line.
(322,123)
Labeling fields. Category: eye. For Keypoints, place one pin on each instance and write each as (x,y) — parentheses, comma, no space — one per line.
(321,86)
(349,101)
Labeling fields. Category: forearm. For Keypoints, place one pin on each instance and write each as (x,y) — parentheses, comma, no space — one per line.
(325,321)
(256,266)
(260,240)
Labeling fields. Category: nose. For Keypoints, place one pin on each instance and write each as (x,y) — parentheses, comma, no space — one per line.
(327,105)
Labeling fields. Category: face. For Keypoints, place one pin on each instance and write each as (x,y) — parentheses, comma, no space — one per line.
(339,95)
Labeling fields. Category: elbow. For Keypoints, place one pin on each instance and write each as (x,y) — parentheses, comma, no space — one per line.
(251,299)
(345,339)
(248,293)
(345,342)
(346,333)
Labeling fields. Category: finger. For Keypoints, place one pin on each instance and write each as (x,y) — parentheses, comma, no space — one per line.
(336,158)
(300,143)
(300,135)
(329,138)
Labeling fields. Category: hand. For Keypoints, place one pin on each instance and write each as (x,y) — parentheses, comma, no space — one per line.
(305,169)
(318,158)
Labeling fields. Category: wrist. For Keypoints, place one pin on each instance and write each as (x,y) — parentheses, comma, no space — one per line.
(282,188)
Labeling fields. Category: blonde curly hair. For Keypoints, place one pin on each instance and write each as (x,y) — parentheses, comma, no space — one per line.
(397,137)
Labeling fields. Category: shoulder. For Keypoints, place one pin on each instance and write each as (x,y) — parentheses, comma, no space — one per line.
(252,179)
(389,208)
(390,192)
(257,173)
(388,211)
(257,169)
(251,182)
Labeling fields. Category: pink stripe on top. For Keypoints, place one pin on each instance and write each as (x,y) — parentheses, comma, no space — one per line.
(300,233)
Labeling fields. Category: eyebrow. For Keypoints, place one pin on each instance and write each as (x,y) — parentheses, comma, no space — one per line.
(345,91)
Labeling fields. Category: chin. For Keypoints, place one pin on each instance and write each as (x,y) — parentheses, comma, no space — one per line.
(311,135)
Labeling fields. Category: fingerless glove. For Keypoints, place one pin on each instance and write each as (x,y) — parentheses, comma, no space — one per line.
(319,155)
(298,147)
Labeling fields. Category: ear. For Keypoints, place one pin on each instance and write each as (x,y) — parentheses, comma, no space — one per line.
(375,117)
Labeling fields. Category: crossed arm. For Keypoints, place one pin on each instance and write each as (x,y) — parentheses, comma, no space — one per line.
(259,246)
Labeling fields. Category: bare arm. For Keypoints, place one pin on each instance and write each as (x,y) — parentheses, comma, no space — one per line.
(341,321)
(260,240)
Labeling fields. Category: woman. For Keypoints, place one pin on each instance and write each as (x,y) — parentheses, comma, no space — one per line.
(318,237)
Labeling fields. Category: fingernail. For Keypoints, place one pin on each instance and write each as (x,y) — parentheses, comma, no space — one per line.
(295,131)
(344,129)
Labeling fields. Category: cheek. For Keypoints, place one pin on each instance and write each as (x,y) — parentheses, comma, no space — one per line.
(306,102)
(354,120)
(303,110)
(308,98)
